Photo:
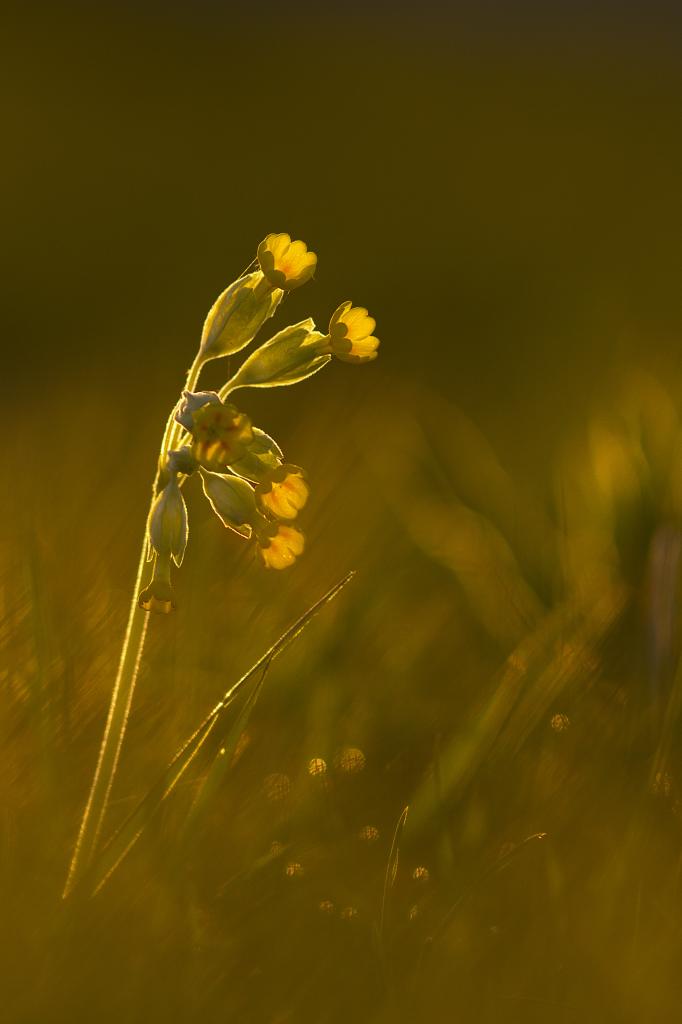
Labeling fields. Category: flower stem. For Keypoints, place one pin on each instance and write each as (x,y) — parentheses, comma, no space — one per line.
(114,732)
(121,696)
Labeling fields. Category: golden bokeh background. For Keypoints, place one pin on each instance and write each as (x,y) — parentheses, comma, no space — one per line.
(499,184)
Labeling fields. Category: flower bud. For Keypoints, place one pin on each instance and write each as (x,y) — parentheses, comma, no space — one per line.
(182,461)
(237,315)
(279,545)
(350,334)
(283,492)
(221,434)
(287,358)
(286,264)
(232,500)
(262,455)
(191,403)
(168,522)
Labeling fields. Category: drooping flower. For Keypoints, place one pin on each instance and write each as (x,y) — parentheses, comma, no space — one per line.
(279,545)
(158,596)
(350,334)
(286,264)
(221,434)
(283,492)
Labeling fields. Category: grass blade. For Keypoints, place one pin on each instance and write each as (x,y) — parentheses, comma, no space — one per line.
(215,725)
(221,762)
(392,868)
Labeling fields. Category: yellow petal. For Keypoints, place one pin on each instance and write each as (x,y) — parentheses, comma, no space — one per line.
(365,348)
(362,351)
(283,548)
(277,244)
(297,251)
(338,314)
(359,324)
(286,497)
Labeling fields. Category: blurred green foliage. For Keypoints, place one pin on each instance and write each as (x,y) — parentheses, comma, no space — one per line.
(505,478)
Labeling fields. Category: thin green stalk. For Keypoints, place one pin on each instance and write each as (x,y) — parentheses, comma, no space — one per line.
(121,696)
(173,428)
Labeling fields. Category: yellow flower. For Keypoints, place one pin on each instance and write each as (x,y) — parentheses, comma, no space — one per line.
(281,548)
(283,492)
(350,334)
(221,435)
(286,264)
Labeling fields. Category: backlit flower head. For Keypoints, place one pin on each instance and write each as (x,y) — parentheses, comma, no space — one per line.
(279,545)
(282,492)
(221,434)
(350,334)
(286,264)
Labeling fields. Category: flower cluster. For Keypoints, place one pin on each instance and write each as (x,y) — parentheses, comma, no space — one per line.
(252,489)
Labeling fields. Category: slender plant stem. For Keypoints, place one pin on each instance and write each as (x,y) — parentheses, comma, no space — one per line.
(121,696)
(114,732)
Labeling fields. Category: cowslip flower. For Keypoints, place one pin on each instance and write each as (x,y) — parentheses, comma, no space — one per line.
(282,492)
(284,263)
(158,596)
(350,334)
(234,502)
(279,545)
(221,434)
(215,435)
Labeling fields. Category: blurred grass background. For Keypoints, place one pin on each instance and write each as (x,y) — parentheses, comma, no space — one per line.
(499,184)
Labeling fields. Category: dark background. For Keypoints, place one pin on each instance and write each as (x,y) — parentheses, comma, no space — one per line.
(500,183)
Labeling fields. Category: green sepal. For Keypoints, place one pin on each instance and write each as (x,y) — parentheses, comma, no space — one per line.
(233,501)
(289,357)
(237,315)
(263,455)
